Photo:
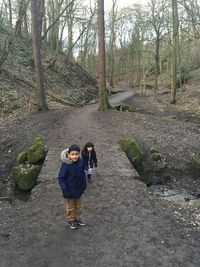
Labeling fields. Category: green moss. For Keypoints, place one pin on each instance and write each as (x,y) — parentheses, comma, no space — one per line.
(127,108)
(38,140)
(37,152)
(133,152)
(195,166)
(25,178)
(156,156)
(22,157)
(154,150)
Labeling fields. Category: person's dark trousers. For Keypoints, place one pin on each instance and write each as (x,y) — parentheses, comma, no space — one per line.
(89,178)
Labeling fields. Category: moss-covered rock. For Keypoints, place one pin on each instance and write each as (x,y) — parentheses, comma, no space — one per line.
(195,166)
(22,157)
(156,156)
(38,140)
(6,191)
(37,152)
(154,150)
(127,108)
(155,180)
(133,152)
(26,177)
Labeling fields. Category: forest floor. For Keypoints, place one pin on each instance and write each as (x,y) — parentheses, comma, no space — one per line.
(128,224)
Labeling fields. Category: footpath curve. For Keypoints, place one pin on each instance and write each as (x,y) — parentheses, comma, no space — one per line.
(127,226)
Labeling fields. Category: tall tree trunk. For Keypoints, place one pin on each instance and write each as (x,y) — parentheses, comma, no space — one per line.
(59,48)
(54,32)
(157,61)
(25,24)
(84,49)
(41,16)
(103,100)
(44,26)
(23,5)
(112,42)
(70,22)
(36,43)
(10,13)
(174,51)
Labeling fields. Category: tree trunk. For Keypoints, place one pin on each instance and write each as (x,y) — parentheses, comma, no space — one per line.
(112,43)
(23,4)
(25,24)
(157,61)
(36,43)
(70,23)
(84,48)
(103,100)
(174,51)
(10,13)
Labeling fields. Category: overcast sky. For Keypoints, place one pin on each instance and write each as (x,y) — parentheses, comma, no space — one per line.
(120,3)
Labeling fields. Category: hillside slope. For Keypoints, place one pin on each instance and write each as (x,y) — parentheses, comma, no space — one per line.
(63,79)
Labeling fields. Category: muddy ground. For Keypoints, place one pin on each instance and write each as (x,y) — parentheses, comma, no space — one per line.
(128,225)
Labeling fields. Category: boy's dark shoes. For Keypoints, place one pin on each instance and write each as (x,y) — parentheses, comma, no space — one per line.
(81,223)
(73,225)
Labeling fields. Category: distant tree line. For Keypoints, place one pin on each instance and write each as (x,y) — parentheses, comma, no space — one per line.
(160,38)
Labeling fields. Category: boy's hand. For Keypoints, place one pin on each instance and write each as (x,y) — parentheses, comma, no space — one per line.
(66,194)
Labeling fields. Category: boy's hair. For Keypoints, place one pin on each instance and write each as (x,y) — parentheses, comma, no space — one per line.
(89,144)
(74,147)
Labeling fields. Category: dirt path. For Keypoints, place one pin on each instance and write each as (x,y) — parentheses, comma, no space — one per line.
(127,226)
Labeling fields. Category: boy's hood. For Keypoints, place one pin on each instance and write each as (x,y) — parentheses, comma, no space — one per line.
(64,157)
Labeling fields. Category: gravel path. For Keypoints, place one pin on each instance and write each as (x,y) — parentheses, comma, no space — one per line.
(127,225)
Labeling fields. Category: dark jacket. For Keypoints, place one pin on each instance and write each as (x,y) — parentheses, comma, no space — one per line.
(72,178)
(89,161)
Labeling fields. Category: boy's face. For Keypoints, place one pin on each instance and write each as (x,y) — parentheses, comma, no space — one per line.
(74,155)
(89,148)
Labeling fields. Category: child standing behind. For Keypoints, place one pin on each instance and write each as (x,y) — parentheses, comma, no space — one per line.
(72,181)
(89,157)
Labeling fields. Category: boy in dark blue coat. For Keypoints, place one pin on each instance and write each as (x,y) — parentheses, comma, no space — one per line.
(72,181)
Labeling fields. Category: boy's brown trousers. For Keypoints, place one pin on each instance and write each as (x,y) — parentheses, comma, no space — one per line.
(73,208)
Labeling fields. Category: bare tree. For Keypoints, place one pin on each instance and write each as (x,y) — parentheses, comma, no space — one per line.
(85,44)
(10,13)
(174,53)
(103,100)
(112,43)
(22,8)
(192,7)
(157,21)
(36,42)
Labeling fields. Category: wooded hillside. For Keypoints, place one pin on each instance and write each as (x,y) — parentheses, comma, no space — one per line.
(65,81)
(156,43)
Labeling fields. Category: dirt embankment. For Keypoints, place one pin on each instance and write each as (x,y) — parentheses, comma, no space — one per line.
(65,81)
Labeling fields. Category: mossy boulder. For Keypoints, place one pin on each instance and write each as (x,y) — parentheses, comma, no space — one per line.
(154,150)
(195,166)
(22,157)
(6,191)
(155,154)
(127,108)
(37,152)
(133,152)
(38,140)
(26,177)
